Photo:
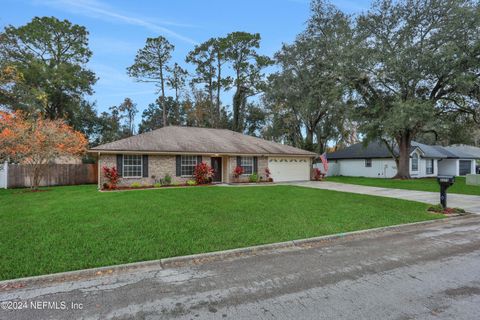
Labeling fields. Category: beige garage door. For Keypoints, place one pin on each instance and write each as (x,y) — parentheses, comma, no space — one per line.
(289,169)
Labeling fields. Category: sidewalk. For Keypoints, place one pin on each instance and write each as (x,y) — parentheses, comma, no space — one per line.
(468,202)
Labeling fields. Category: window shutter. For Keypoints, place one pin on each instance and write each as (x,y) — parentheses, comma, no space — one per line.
(199,159)
(178,166)
(255,164)
(120,164)
(239,161)
(145,165)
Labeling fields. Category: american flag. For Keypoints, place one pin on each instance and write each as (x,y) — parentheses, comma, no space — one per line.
(323,157)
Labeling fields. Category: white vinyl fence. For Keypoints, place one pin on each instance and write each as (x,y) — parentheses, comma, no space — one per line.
(3,175)
(333,168)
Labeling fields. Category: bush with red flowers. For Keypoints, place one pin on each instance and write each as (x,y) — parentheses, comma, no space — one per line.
(112,176)
(237,172)
(317,174)
(203,173)
(267,173)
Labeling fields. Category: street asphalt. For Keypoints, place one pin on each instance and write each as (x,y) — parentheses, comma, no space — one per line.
(427,271)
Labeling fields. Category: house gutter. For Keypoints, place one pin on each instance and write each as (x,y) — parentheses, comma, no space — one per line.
(213,154)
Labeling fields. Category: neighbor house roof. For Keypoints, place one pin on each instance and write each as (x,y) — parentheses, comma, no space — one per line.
(378,149)
(175,139)
(431,151)
(465,149)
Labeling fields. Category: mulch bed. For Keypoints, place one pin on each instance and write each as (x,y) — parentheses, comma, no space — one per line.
(182,185)
(448,211)
(258,182)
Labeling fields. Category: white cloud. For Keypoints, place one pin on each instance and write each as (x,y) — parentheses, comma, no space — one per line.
(96,9)
(112,45)
(109,75)
(117,83)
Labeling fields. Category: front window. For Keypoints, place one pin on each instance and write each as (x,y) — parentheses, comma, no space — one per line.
(188,165)
(247,165)
(415,162)
(132,166)
(430,166)
(368,163)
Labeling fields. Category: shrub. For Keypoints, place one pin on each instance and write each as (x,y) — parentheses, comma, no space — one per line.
(203,173)
(157,185)
(191,182)
(317,174)
(135,185)
(112,176)
(167,180)
(253,177)
(237,172)
(270,179)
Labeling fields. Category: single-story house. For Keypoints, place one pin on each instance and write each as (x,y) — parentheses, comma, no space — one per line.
(475,151)
(375,160)
(176,150)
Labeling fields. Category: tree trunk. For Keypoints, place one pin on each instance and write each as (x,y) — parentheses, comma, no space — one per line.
(237,101)
(164,110)
(210,97)
(177,107)
(321,144)
(219,77)
(35,176)
(403,160)
(308,145)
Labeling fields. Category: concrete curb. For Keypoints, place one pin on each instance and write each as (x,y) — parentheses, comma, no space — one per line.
(200,258)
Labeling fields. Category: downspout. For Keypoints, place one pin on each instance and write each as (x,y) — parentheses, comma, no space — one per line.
(98,171)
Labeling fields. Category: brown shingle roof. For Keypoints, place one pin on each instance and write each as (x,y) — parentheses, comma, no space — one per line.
(199,140)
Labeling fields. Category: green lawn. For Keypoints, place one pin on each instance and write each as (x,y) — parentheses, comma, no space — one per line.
(422,184)
(68,228)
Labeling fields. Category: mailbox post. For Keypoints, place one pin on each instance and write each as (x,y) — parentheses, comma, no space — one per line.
(444,182)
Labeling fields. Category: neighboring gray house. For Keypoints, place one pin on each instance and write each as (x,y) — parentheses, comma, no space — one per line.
(475,151)
(375,160)
(176,151)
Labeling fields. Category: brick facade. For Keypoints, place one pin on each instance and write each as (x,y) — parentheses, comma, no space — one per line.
(232,164)
(160,165)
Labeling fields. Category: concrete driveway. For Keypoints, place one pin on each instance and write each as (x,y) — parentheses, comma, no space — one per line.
(415,272)
(467,202)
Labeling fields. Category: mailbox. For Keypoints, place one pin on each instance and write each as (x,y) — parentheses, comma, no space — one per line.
(444,182)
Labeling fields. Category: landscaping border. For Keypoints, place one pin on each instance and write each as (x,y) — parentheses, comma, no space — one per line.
(200,258)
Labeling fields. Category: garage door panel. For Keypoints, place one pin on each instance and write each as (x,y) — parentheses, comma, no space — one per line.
(289,169)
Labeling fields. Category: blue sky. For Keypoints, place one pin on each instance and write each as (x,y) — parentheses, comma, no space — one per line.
(119,28)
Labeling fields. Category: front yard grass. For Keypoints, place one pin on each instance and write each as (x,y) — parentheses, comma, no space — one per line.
(421,184)
(69,228)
